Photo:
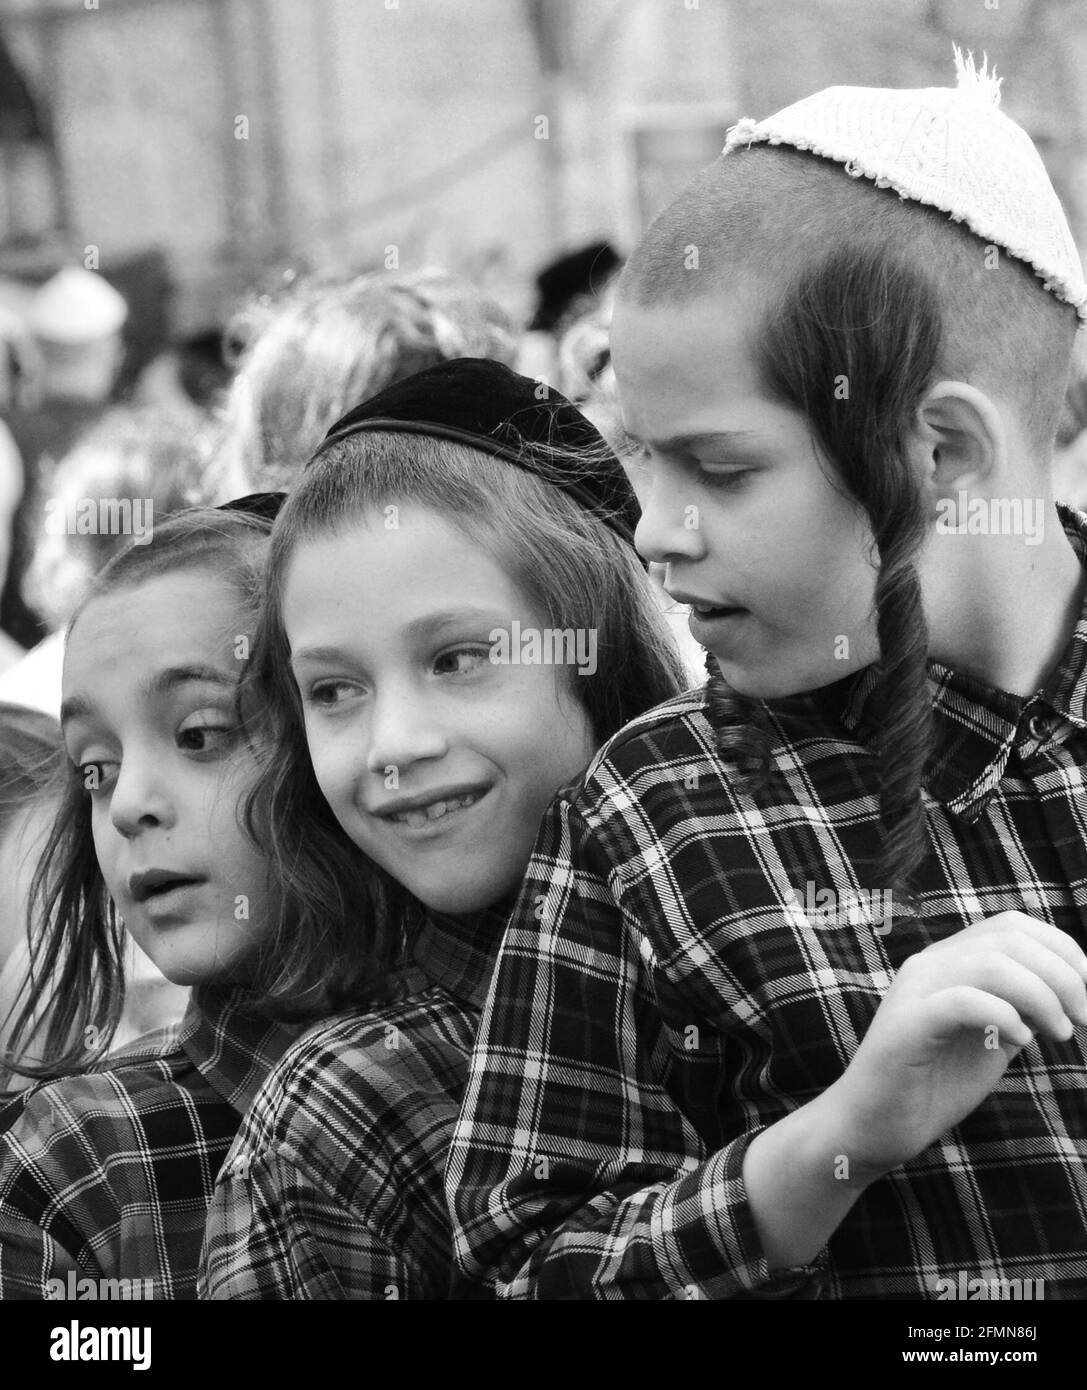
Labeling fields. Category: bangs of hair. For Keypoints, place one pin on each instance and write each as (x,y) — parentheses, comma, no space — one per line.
(356,921)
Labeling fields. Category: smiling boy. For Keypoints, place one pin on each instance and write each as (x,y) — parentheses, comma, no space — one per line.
(683,1086)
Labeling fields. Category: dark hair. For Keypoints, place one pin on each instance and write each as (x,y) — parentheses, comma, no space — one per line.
(76,991)
(877,322)
(349,922)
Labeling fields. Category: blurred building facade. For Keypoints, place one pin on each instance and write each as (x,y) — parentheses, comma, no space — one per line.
(487,135)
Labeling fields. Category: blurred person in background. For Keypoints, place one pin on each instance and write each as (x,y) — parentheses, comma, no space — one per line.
(130,453)
(315,350)
(151,452)
(12,487)
(585,373)
(20,363)
(192,371)
(569,289)
(75,321)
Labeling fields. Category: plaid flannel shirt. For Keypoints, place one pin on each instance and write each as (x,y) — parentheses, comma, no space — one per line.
(108,1174)
(665,991)
(333,1189)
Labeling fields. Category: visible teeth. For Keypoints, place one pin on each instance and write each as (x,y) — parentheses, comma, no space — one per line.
(422,814)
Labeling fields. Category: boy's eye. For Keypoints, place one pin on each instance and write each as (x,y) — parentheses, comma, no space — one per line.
(329,694)
(206,732)
(728,481)
(461,661)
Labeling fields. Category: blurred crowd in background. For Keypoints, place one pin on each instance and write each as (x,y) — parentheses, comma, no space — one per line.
(237,409)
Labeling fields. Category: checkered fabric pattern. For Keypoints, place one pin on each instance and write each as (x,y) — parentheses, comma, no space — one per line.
(333,1189)
(664,992)
(109,1174)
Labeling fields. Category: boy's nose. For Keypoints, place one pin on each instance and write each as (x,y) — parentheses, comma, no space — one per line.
(403,730)
(140,798)
(670,525)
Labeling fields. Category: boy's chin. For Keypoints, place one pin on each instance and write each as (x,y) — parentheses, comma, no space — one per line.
(462,900)
(778,683)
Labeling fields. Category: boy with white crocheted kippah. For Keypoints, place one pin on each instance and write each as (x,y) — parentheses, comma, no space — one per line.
(793,1000)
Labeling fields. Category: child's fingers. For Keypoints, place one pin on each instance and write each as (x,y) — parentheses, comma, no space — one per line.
(1018,924)
(943,1015)
(1059,974)
(995,973)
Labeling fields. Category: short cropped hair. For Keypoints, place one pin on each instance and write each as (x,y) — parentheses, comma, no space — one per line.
(771,214)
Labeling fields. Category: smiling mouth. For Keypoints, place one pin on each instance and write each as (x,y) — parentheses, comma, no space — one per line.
(419,816)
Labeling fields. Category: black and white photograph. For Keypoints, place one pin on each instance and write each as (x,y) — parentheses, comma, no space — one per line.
(543,671)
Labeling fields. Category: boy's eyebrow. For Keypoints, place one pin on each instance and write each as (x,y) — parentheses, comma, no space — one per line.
(678,443)
(79,707)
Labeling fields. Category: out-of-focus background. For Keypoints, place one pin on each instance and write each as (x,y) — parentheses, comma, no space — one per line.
(198,143)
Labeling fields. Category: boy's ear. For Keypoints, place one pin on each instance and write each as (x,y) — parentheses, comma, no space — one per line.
(958,441)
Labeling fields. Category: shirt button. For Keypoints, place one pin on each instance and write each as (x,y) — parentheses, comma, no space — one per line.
(1038,727)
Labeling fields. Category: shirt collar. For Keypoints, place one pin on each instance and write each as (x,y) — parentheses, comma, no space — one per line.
(458,953)
(231,1045)
(976,725)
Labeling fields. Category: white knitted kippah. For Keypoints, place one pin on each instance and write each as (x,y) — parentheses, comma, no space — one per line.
(950,147)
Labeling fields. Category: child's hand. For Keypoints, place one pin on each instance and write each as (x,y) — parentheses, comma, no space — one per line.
(955,1016)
